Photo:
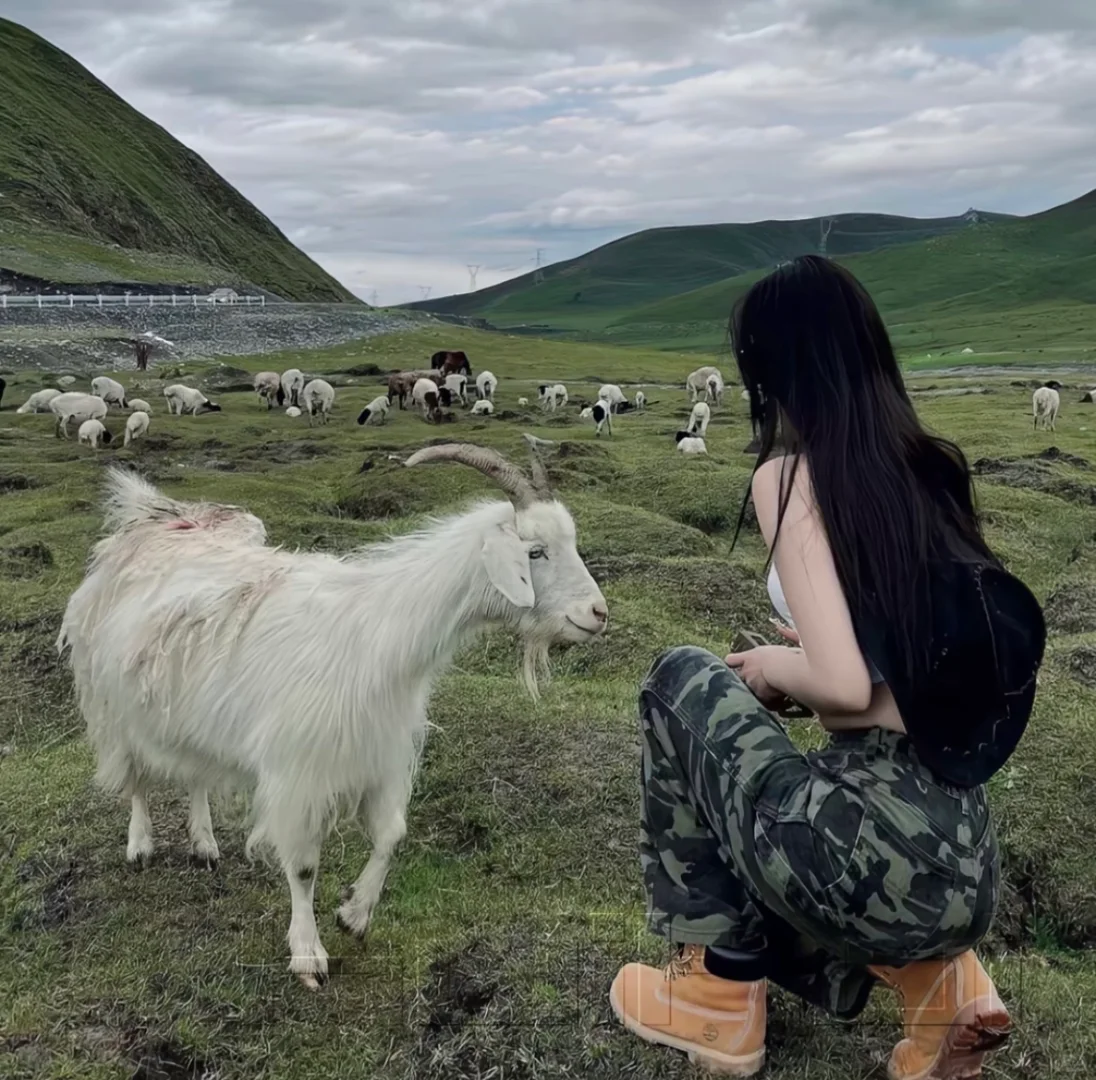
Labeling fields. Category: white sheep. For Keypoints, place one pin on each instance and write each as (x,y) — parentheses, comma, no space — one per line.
(698,421)
(486,384)
(613,396)
(185,399)
(641,400)
(292,385)
(139,405)
(425,394)
(292,411)
(268,385)
(713,388)
(1045,403)
(602,415)
(203,657)
(552,396)
(112,392)
(376,412)
(78,407)
(483,408)
(457,385)
(66,380)
(690,444)
(697,382)
(318,398)
(136,427)
(586,413)
(38,402)
(523,402)
(92,433)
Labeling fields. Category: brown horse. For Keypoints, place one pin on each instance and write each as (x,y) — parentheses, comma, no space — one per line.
(451,363)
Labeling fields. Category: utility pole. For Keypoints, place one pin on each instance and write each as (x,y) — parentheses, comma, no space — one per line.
(472,272)
(825,228)
(425,290)
(538,274)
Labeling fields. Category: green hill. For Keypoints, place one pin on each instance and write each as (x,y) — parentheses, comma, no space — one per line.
(91,190)
(596,289)
(1028,279)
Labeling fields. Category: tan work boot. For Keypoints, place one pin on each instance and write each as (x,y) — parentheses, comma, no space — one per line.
(720,1024)
(953,1016)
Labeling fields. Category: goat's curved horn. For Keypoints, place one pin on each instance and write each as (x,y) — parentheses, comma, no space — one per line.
(489,462)
(539,473)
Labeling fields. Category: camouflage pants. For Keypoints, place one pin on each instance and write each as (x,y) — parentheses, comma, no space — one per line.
(823,862)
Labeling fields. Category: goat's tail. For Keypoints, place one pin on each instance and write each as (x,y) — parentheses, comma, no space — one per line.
(130,499)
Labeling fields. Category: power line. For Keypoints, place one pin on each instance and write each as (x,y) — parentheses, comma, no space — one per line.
(472,272)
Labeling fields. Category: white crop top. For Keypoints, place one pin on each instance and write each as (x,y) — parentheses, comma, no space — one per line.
(776,595)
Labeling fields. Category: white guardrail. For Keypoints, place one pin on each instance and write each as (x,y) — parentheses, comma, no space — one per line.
(125,300)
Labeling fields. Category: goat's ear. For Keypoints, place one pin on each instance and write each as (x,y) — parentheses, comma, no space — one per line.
(507,563)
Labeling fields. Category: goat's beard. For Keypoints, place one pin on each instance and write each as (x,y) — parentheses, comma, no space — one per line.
(534,667)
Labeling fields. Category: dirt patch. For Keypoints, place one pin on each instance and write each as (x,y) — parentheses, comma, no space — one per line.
(285,453)
(17,482)
(459,988)
(59,902)
(25,560)
(1036,474)
(371,505)
(362,370)
(170,1061)
(1072,610)
(1052,453)
(1082,666)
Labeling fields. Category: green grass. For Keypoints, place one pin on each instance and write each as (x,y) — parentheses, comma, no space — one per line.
(91,190)
(517,892)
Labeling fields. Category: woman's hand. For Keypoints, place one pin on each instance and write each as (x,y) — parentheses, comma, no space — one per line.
(750,666)
(787,632)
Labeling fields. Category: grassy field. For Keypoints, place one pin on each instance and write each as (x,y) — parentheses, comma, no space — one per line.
(91,190)
(516,895)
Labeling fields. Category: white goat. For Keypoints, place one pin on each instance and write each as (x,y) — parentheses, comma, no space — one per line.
(292,385)
(713,388)
(136,426)
(268,385)
(185,399)
(697,382)
(112,392)
(613,396)
(318,398)
(690,444)
(483,408)
(1045,403)
(522,402)
(292,411)
(92,433)
(138,405)
(486,384)
(203,657)
(76,406)
(376,412)
(698,421)
(38,402)
(552,396)
(641,400)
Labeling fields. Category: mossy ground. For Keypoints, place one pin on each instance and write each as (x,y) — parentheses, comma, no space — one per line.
(517,894)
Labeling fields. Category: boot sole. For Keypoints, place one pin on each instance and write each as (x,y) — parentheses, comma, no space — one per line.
(712,1061)
(978,1028)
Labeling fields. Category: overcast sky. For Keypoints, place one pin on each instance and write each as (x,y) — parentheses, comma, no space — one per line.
(397,141)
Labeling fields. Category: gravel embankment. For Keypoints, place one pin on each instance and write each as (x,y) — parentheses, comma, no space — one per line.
(77,339)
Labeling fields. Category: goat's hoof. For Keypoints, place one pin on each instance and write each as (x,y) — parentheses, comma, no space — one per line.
(139,861)
(204,861)
(350,922)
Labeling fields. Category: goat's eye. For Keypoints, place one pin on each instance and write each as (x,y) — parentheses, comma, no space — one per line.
(538,553)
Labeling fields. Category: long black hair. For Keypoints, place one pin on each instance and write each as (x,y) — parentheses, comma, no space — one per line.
(824,384)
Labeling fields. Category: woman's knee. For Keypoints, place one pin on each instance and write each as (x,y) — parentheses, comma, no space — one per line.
(676,669)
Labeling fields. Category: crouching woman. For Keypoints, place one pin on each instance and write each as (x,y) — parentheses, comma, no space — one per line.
(873,860)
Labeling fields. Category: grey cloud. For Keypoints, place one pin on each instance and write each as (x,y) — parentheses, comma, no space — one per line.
(954,17)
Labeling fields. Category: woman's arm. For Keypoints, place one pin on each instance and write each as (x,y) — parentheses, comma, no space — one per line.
(828,672)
